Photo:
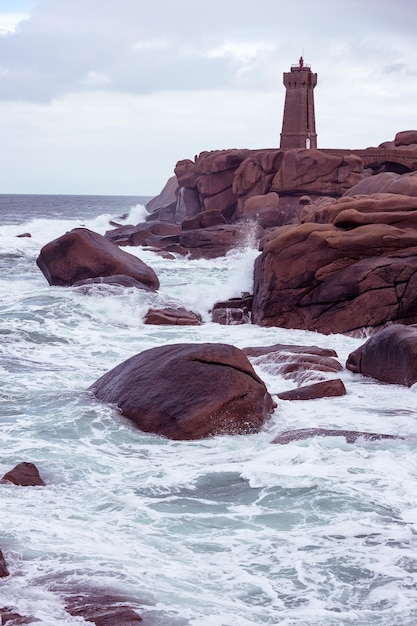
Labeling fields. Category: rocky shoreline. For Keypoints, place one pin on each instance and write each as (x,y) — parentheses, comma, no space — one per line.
(338,254)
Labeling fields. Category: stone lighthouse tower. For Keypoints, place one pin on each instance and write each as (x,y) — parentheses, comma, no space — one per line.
(299,123)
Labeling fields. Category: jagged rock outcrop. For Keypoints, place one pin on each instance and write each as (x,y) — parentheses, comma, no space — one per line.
(188,391)
(390,356)
(341,276)
(163,206)
(223,189)
(81,254)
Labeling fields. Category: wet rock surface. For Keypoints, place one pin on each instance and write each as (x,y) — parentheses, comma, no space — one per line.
(188,391)
(389,356)
(323,389)
(24,474)
(351,436)
(82,254)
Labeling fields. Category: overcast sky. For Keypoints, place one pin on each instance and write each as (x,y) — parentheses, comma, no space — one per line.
(105,96)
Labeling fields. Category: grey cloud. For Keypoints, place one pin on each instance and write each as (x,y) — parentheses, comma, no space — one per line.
(399,68)
(142,47)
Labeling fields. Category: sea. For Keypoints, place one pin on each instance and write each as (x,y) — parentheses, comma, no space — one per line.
(224,531)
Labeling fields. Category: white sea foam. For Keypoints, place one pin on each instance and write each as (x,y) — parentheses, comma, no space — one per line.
(210,533)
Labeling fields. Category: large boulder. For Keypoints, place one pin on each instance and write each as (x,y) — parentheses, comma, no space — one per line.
(323,278)
(390,356)
(264,209)
(188,391)
(378,208)
(82,253)
(386,182)
(316,172)
(406,138)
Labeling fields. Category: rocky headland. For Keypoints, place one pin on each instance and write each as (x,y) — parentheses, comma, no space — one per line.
(337,237)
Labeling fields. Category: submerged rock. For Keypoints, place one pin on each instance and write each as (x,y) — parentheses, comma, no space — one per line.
(10,617)
(300,363)
(350,435)
(188,391)
(172,316)
(323,389)
(103,610)
(3,567)
(118,280)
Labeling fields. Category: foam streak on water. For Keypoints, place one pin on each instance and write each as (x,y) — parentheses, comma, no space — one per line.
(218,532)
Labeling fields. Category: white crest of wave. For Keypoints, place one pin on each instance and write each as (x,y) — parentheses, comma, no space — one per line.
(199,284)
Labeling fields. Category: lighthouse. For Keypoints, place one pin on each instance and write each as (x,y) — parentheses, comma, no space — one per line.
(299,123)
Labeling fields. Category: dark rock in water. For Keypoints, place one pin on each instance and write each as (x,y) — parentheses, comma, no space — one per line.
(9,617)
(188,391)
(171,316)
(390,356)
(24,235)
(350,435)
(255,351)
(162,253)
(82,254)
(324,389)
(242,302)
(118,280)
(233,311)
(24,474)
(300,363)
(230,317)
(3,567)
(103,610)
